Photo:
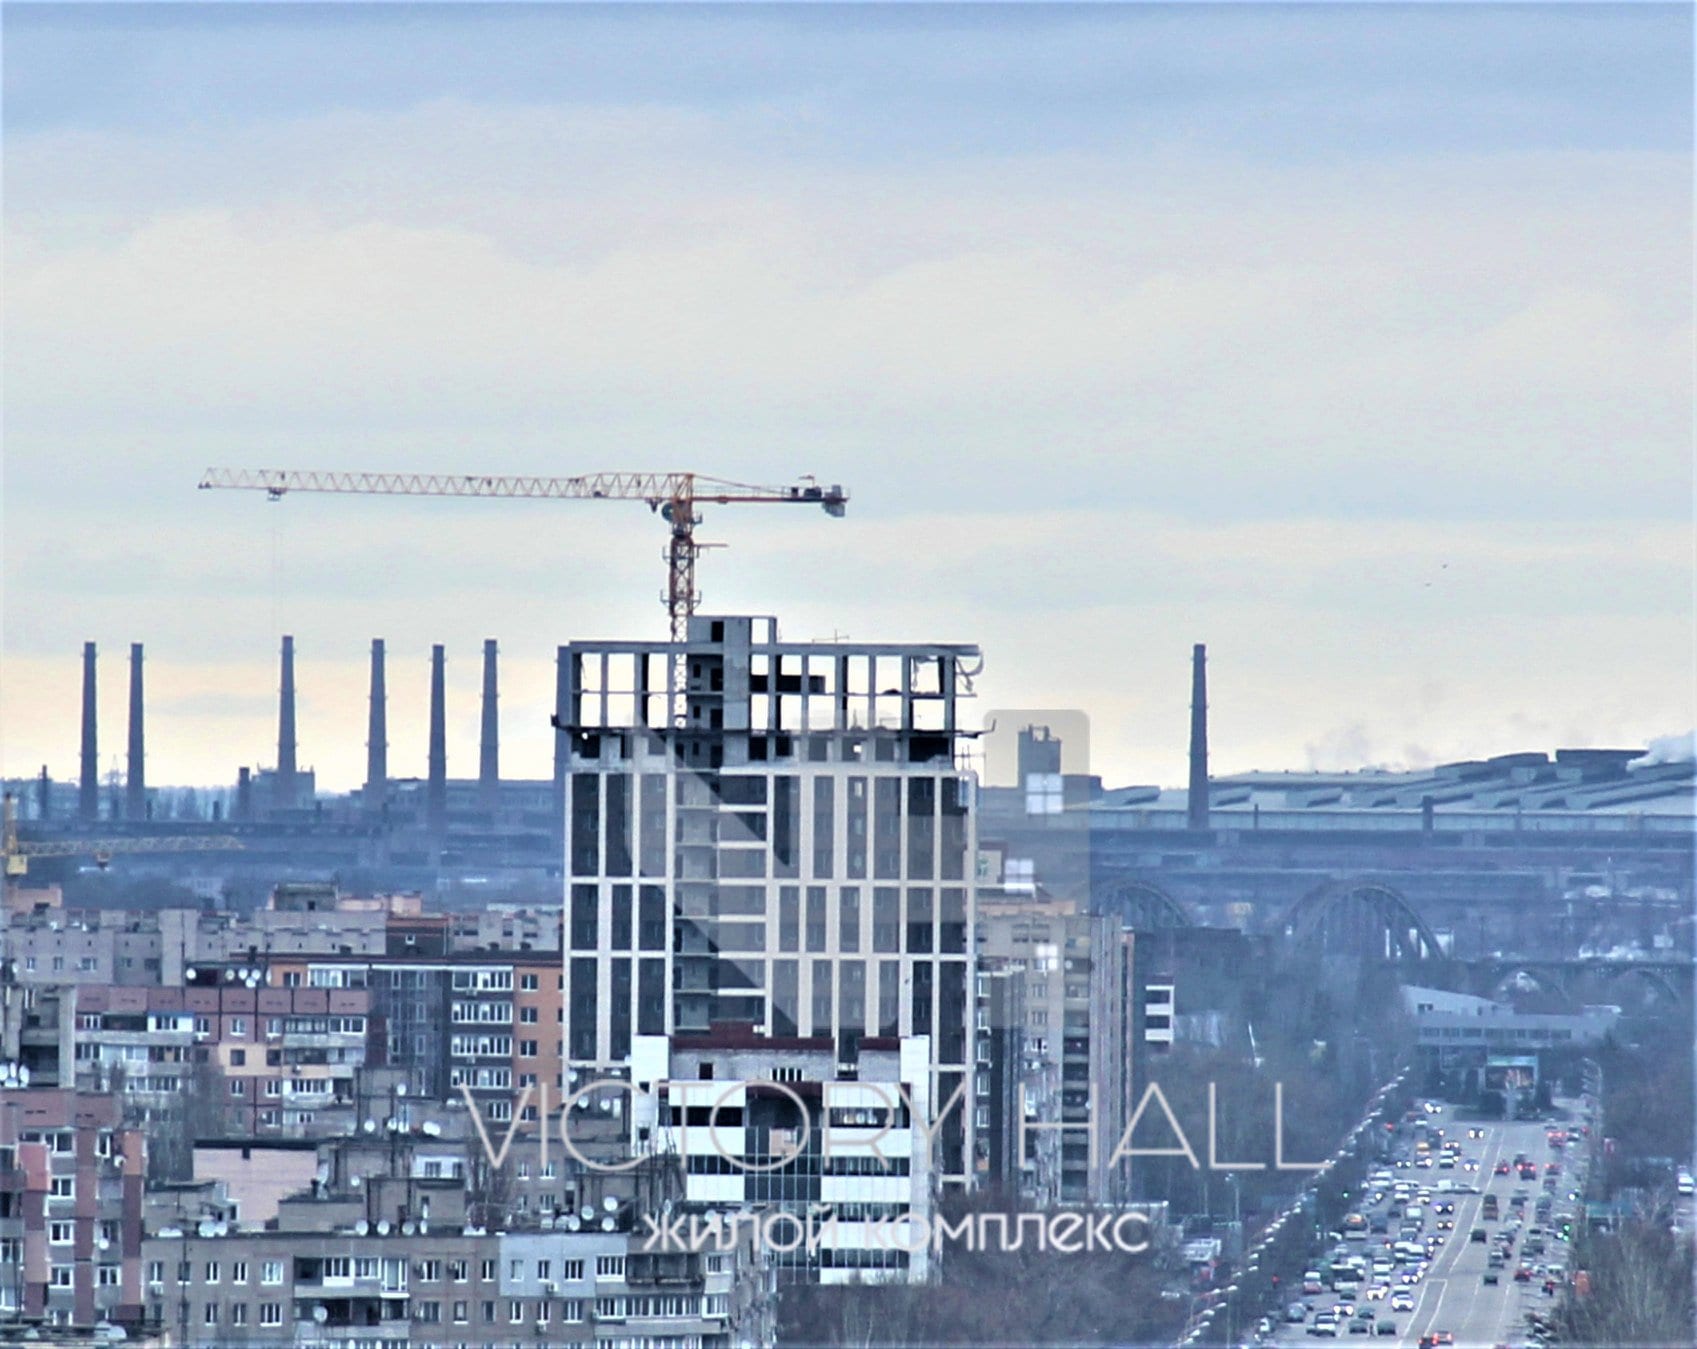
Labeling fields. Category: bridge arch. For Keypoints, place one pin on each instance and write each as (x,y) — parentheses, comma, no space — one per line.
(1655,986)
(1362,918)
(1143,905)
(1505,976)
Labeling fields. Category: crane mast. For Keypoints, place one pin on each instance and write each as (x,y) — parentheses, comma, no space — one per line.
(672,496)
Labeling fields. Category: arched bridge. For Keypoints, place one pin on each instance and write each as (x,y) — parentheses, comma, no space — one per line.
(1142,905)
(1640,986)
(1358,917)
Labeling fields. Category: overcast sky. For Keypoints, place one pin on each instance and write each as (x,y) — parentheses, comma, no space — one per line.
(1354,342)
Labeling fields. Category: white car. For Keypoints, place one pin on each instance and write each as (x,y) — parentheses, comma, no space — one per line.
(1402,1300)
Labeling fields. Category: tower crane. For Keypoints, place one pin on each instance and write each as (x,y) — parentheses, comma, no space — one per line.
(673,496)
(18,852)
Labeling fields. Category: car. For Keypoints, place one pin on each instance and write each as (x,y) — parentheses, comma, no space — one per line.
(1523,1275)
(1296,1312)
(1377,1291)
(1491,1276)
(1385,1328)
(1446,1224)
(1478,1234)
(1359,1327)
(1475,1132)
(1502,1168)
(1402,1301)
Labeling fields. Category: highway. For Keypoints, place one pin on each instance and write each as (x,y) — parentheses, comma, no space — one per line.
(1448,1289)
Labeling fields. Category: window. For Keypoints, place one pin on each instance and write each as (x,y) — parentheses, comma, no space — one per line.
(238,1271)
(271,1313)
(63,1187)
(212,1271)
(528,1016)
(209,1314)
(488,1310)
(571,1309)
(515,1312)
(544,1269)
(62,1276)
(430,1313)
(269,1273)
(238,1026)
(457,1270)
(515,1269)
(238,1314)
(528,983)
(238,1087)
(61,1233)
(572,1269)
(430,1270)
(156,1271)
(609,1267)
(460,1317)
(110,1276)
(487,1271)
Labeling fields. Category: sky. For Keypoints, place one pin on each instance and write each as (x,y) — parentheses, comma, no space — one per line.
(1353,341)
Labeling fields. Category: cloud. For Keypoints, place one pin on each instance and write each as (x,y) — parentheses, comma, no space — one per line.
(1108,366)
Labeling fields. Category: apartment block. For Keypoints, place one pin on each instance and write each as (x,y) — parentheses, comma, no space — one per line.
(827,1132)
(771,835)
(1077,1052)
(71,1179)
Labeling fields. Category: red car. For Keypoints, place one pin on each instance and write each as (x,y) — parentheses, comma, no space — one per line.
(1502,1168)
(1552,1168)
(1523,1275)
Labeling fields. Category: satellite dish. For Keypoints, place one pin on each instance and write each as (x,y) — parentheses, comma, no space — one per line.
(370,1126)
(104,1244)
(191,972)
(383,1227)
(588,1212)
(400,1089)
(223,1229)
(608,1223)
(610,1204)
(356,1181)
(547,1223)
(407,1229)
(206,1227)
(362,1228)
(431,1129)
(321,1313)
(423,1226)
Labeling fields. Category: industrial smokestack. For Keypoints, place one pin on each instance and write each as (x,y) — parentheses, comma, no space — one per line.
(436,792)
(88,786)
(44,796)
(286,730)
(377,736)
(1198,796)
(489,750)
(135,784)
(244,794)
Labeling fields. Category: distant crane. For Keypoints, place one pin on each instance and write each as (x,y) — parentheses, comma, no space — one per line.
(674,496)
(18,852)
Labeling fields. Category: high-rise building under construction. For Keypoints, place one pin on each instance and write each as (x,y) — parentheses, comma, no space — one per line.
(772,835)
